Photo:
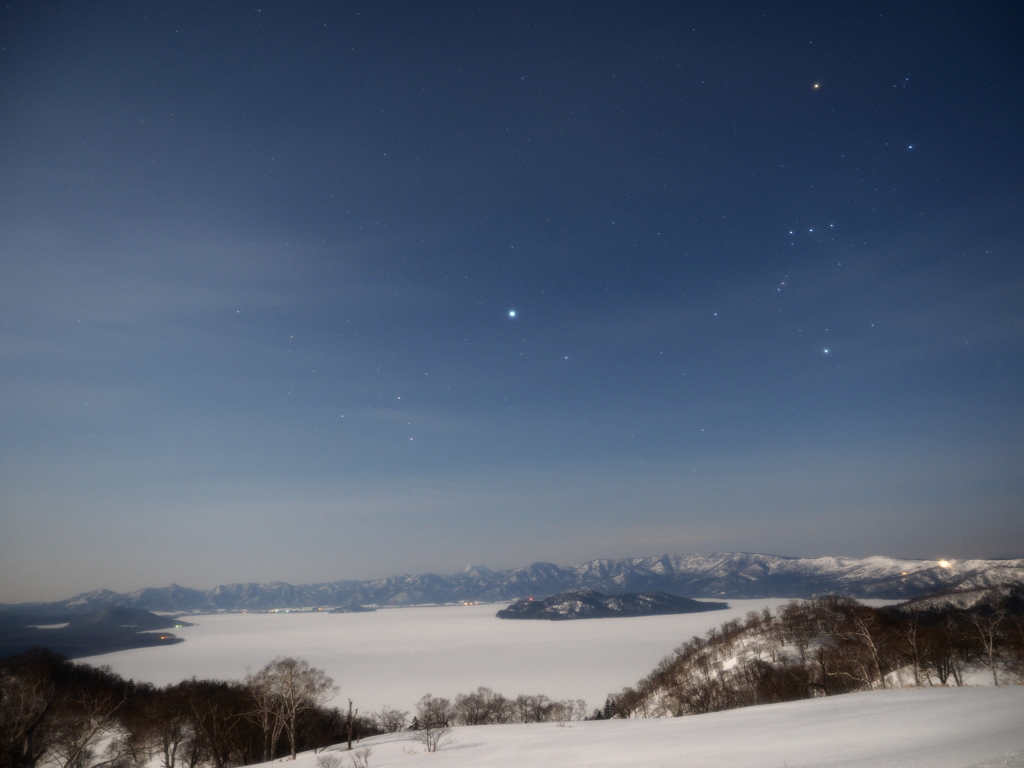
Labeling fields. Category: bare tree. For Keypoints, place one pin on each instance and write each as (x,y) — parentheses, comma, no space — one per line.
(328,760)
(1014,639)
(945,649)
(286,688)
(85,719)
(863,630)
(911,644)
(28,696)
(219,713)
(350,724)
(158,725)
(985,623)
(434,712)
(532,708)
(391,720)
(58,713)
(266,713)
(481,707)
(433,718)
(361,758)
(433,736)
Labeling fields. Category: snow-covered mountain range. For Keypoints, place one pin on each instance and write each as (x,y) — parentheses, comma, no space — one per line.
(723,575)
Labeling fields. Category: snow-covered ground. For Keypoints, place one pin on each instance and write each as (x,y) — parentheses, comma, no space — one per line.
(394,656)
(908,728)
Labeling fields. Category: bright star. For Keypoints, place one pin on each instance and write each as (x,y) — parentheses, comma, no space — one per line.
(511,313)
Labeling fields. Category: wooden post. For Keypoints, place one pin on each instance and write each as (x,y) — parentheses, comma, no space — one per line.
(349,729)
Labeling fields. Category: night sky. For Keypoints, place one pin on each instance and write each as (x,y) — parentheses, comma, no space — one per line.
(307,291)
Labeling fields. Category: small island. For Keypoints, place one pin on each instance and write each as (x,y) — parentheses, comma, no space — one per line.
(591,604)
(352,607)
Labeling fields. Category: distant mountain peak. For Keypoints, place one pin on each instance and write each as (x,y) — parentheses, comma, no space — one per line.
(717,575)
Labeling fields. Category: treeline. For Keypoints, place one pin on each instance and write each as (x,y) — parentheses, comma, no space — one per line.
(481,707)
(60,714)
(435,716)
(828,646)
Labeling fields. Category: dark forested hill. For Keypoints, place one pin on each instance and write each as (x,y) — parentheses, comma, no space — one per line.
(590,604)
(77,635)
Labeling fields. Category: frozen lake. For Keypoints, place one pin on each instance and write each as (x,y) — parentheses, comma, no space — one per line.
(393,656)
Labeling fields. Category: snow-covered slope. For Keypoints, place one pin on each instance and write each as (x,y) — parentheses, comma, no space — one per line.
(911,728)
(723,575)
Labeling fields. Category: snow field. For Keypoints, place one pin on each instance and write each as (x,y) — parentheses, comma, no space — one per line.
(908,728)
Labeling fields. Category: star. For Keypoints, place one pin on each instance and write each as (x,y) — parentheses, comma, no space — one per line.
(511,313)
